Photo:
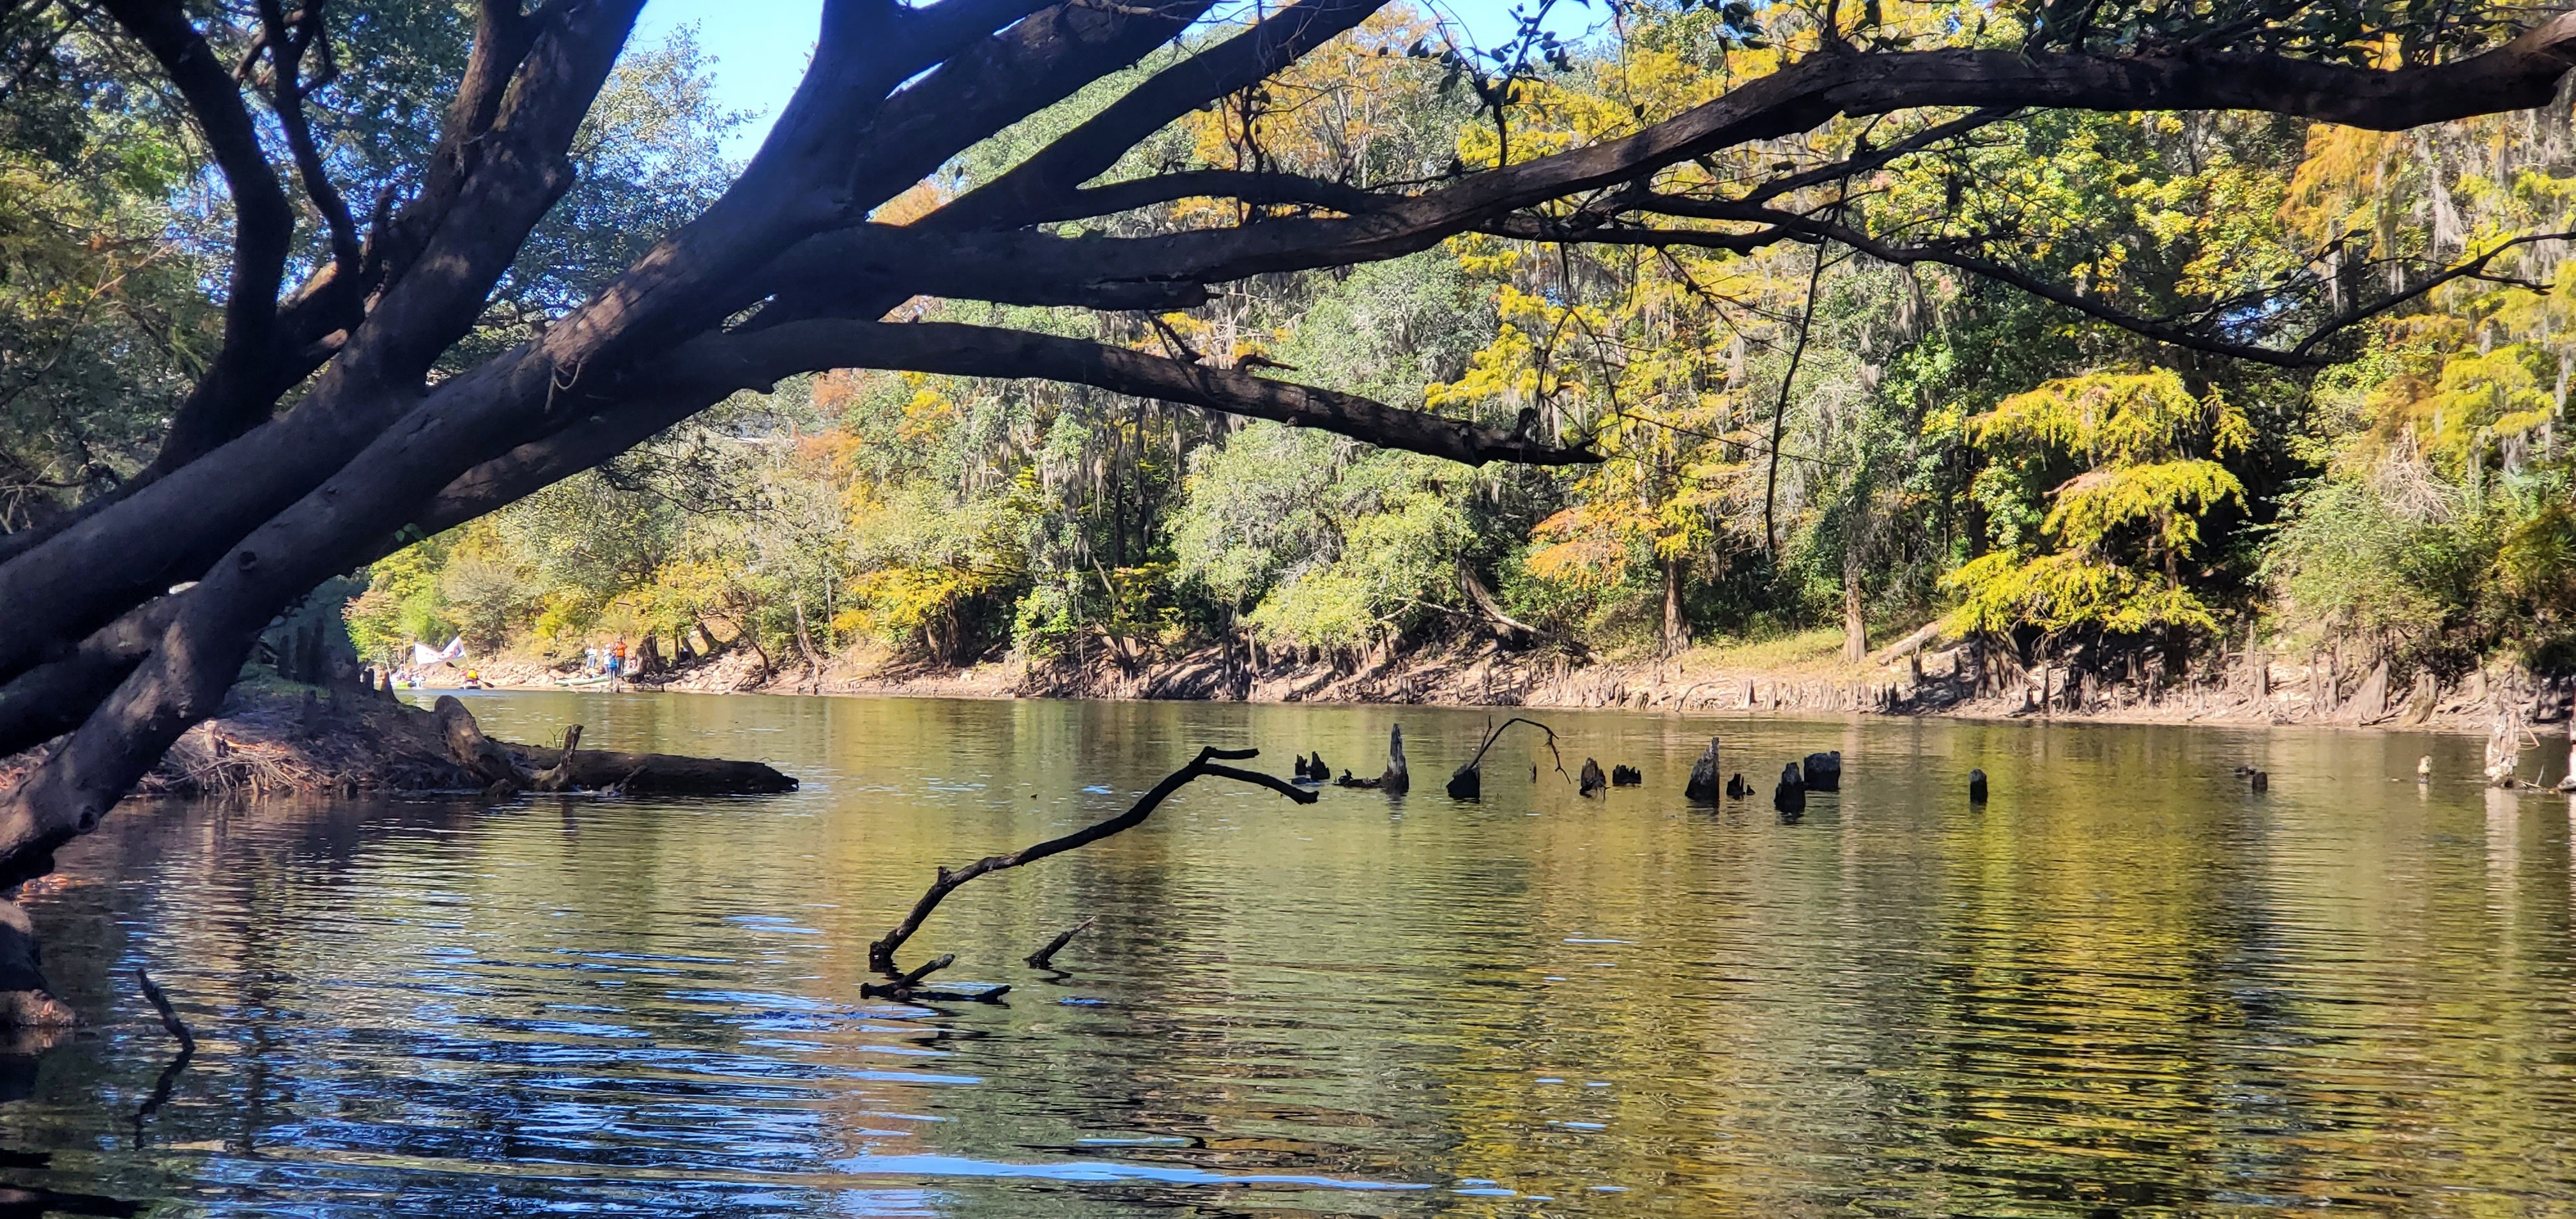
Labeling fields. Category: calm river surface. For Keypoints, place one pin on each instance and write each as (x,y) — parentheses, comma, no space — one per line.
(2124,986)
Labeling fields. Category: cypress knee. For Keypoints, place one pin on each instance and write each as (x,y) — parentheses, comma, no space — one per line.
(1791,796)
(1703,787)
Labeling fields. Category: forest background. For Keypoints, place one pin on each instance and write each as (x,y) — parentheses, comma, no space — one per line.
(1801,441)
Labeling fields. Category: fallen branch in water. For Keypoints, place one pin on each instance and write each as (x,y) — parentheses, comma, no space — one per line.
(907,987)
(178,1062)
(881,953)
(169,1015)
(1469,781)
(1044,958)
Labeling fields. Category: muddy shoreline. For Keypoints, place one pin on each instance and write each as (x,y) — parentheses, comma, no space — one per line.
(1955,682)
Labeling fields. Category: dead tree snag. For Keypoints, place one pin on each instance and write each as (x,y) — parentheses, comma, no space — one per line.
(1206,765)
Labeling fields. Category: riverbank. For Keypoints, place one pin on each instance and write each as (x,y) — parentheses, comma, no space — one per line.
(1801,674)
(282,738)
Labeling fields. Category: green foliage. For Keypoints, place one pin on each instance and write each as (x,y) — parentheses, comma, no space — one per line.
(2109,547)
(1315,544)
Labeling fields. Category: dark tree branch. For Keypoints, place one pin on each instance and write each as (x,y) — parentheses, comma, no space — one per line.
(983,351)
(1044,958)
(1047,179)
(52,698)
(288,43)
(1207,764)
(1259,189)
(1529,228)
(231,396)
(1794,99)
(2301,354)
(169,531)
(1875,159)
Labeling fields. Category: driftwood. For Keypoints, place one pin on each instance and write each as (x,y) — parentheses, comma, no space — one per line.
(505,768)
(1044,958)
(1468,781)
(881,953)
(1398,778)
(559,777)
(480,755)
(1510,628)
(656,773)
(1909,645)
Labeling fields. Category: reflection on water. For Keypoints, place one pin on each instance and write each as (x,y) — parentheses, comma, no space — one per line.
(2125,984)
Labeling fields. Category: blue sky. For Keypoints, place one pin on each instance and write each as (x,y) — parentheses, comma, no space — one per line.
(760,46)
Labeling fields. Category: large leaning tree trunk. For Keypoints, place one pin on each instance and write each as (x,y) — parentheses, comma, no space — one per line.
(128,617)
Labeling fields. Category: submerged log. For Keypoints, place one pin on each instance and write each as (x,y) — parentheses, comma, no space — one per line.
(656,773)
(1703,786)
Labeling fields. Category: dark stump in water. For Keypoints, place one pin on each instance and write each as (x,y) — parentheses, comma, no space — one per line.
(1976,787)
(1737,788)
(1626,776)
(1703,787)
(1791,796)
(1397,780)
(1825,771)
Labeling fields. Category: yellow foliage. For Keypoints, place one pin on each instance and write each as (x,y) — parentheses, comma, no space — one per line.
(2148,447)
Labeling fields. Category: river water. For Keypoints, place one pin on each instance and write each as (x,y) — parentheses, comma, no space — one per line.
(2125,985)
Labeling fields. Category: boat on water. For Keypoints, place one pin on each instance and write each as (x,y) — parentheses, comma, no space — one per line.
(583,683)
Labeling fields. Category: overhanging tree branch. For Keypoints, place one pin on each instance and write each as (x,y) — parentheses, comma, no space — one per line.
(234,392)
